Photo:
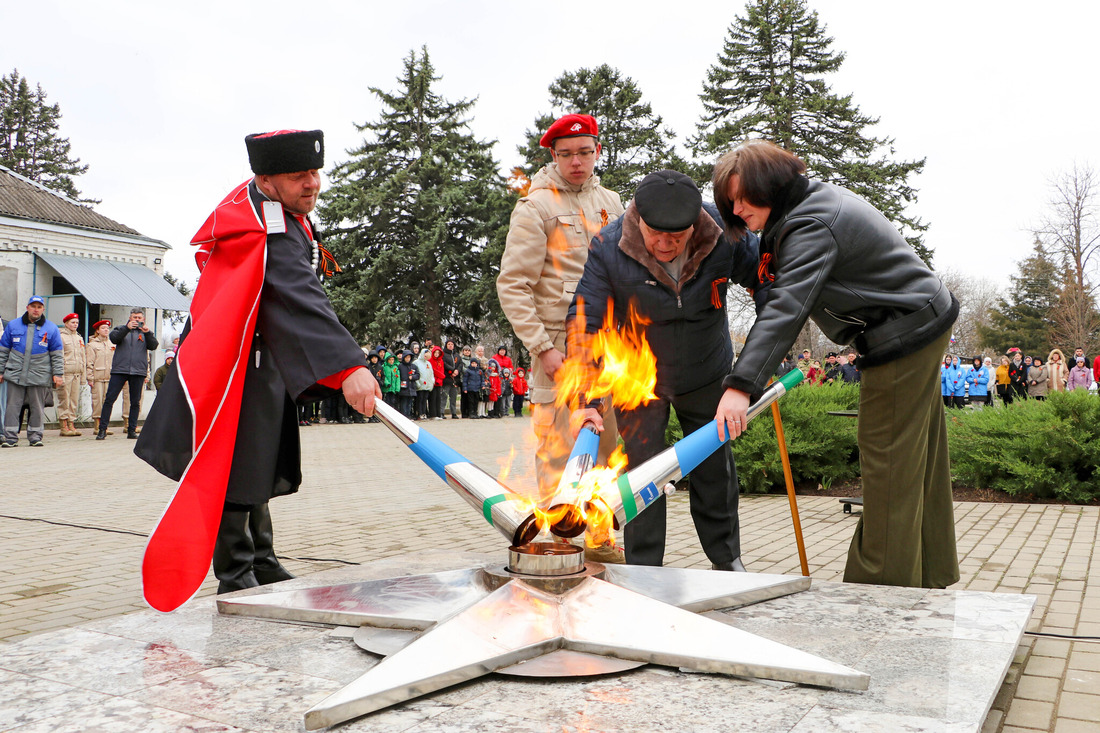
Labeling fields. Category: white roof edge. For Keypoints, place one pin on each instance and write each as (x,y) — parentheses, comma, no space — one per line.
(84,231)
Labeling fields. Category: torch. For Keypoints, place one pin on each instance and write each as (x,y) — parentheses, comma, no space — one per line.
(512,516)
(639,487)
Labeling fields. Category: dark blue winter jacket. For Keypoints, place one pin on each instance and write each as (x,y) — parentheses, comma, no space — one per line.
(687,329)
(472,379)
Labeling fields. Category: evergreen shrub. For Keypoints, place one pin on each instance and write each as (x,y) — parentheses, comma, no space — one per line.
(822,447)
(1048,449)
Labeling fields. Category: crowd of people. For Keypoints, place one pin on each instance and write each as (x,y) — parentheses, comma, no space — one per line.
(43,365)
(838,368)
(1018,376)
(431,382)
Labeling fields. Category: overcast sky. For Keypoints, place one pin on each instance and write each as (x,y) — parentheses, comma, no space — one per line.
(157,98)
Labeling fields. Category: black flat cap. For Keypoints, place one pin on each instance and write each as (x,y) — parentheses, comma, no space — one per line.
(285,151)
(668,201)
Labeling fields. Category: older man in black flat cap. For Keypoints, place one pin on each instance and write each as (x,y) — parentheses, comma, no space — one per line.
(668,257)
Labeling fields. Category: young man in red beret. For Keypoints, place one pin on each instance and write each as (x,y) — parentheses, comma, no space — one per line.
(99,356)
(68,394)
(544,257)
(262,336)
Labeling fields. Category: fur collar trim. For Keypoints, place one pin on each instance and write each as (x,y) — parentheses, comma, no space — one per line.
(702,243)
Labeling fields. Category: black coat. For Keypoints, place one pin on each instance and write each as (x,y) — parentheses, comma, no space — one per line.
(452,362)
(132,347)
(298,341)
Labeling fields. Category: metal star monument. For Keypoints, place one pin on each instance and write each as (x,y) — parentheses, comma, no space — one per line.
(548,612)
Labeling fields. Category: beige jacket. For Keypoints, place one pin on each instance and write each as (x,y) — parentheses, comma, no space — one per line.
(544,258)
(99,353)
(74,351)
(1059,371)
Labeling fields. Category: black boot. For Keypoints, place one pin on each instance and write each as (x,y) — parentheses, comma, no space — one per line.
(233,553)
(102,434)
(734,565)
(264,563)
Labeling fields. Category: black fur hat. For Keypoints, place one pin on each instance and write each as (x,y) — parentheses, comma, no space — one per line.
(285,151)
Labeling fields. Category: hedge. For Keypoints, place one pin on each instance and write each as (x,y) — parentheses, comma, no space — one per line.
(1048,449)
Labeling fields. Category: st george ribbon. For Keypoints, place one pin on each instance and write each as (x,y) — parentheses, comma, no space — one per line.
(547,612)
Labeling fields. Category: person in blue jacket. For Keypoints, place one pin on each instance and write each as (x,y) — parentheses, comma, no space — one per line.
(977,383)
(32,362)
(947,382)
(959,400)
(471,385)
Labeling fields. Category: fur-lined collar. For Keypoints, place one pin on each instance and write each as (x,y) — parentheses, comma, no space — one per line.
(702,242)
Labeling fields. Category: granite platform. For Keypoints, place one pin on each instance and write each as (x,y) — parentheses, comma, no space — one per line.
(936,659)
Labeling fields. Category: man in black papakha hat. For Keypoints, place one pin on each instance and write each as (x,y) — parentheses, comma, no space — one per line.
(668,257)
(259,288)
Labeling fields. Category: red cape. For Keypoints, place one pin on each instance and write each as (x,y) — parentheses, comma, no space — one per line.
(231,257)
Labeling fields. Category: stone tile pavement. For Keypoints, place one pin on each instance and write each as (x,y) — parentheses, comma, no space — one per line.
(74,516)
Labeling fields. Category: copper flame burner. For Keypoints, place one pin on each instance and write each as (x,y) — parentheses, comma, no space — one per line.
(546,558)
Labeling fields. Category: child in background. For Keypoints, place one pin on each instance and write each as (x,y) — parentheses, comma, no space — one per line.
(391,383)
(424,384)
(505,392)
(409,376)
(471,389)
(494,388)
(519,392)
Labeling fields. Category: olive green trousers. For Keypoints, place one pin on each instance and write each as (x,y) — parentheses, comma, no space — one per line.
(906,535)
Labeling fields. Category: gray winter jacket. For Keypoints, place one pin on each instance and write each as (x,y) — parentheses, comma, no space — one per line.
(132,350)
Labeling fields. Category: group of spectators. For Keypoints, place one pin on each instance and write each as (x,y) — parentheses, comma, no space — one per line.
(427,381)
(1017,377)
(837,367)
(42,365)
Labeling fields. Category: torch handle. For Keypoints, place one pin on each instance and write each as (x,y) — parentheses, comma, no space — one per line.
(637,488)
(697,446)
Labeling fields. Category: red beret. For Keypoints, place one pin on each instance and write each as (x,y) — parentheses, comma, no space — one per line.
(69,317)
(97,324)
(570,126)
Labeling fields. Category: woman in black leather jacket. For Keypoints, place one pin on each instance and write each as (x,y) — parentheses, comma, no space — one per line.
(831,256)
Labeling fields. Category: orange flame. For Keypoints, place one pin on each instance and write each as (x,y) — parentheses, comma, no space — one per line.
(583,507)
(614,362)
(518,182)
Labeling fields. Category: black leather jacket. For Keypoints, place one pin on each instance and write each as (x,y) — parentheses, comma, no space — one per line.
(836,259)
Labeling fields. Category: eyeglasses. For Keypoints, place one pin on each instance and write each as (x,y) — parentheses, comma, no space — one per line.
(582,154)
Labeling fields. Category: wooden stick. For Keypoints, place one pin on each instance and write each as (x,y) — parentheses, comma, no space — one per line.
(789,478)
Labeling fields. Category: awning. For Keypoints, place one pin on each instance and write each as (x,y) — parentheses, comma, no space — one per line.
(117,283)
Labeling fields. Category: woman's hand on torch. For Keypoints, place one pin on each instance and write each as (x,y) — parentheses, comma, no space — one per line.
(361,390)
(578,418)
(732,413)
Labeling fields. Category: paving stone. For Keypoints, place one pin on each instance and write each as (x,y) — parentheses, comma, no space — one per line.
(1080,706)
(1044,689)
(1030,714)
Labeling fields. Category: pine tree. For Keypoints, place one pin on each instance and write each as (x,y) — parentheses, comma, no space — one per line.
(29,141)
(769,82)
(1024,318)
(410,216)
(634,143)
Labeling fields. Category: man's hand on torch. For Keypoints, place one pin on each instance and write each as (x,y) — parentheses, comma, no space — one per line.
(361,390)
(578,418)
(551,359)
(732,413)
